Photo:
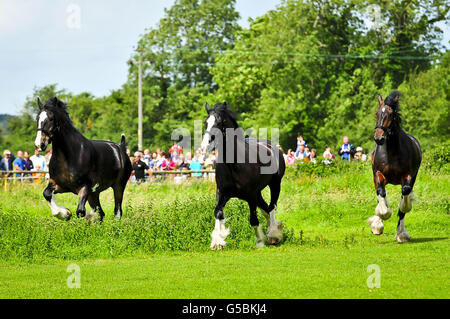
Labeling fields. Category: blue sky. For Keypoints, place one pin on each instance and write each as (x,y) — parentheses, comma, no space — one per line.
(81,45)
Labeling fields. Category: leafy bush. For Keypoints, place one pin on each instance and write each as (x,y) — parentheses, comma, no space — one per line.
(438,159)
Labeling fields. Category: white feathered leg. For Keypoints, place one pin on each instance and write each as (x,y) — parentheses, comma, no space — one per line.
(219,234)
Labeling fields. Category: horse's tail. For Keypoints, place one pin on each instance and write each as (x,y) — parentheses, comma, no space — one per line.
(123,144)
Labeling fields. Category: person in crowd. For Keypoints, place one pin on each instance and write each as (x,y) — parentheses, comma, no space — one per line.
(312,157)
(188,159)
(347,150)
(147,157)
(290,158)
(6,163)
(38,161)
(158,154)
(48,156)
(181,164)
(176,148)
(19,162)
(128,152)
(359,154)
(139,168)
(27,163)
(153,164)
(328,155)
(196,166)
(209,161)
(300,154)
(300,141)
(307,151)
(173,161)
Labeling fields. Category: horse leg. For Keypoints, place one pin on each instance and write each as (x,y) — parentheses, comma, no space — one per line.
(382,211)
(118,198)
(94,202)
(404,206)
(83,194)
(254,222)
(275,229)
(57,210)
(220,232)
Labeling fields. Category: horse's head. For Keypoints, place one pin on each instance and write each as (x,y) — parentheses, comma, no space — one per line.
(220,117)
(387,117)
(48,121)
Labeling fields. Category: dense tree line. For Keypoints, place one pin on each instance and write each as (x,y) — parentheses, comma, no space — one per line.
(309,67)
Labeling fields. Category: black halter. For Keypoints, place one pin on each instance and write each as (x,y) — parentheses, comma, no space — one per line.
(387,130)
(45,132)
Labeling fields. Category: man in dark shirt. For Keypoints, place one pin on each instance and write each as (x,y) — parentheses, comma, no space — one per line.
(139,168)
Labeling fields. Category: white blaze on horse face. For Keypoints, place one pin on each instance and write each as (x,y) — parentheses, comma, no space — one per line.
(209,124)
(42,118)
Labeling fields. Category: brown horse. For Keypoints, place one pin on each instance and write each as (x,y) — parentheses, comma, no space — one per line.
(396,160)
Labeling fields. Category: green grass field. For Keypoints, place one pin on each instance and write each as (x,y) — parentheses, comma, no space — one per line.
(160,248)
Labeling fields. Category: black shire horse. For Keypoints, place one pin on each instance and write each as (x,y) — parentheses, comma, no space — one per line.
(244,167)
(396,160)
(79,165)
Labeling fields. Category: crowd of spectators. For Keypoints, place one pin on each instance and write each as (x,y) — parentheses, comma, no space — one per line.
(23,163)
(144,163)
(304,153)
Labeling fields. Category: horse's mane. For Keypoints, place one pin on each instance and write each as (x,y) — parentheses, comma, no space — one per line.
(59,110)
(392,101)
(225,112)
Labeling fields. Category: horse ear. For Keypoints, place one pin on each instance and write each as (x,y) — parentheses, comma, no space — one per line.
(207,108)
(39,103)
(380,100)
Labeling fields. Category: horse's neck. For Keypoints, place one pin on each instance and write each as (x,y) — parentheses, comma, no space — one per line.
(238,143)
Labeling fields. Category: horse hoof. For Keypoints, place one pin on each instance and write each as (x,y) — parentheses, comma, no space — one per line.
(274,241)
(403,237)
(217,247)
(260,244)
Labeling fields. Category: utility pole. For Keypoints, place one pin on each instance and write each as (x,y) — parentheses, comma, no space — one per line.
(140,101)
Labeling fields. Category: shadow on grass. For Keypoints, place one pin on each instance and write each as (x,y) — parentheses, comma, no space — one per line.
(424,240)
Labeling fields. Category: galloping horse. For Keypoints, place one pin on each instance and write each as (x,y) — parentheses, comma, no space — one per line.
(396,160)
(79,165)
(244,167)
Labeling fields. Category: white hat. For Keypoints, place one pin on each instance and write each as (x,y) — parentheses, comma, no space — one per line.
(359,149)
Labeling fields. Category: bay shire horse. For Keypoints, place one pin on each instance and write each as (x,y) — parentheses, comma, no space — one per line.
(396,160)
(79,165)
(244,167)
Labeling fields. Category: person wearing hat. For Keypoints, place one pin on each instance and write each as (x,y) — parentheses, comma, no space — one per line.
(6,163)
(359,155)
